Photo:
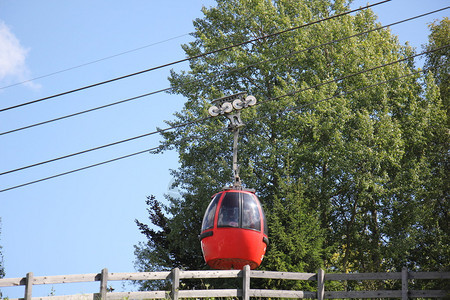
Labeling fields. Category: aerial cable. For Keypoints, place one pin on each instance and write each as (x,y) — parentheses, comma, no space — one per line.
(340,94)
(107,145)
(212,75)
(353,74)
(190,58)
(222,129)
(85,111)
(333,41)
(205,118)
(80,169)
(93,62)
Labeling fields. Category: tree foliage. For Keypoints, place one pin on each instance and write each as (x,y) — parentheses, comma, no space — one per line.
(439,61)
(354,183)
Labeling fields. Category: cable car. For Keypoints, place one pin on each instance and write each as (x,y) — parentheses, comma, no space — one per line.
(234,230)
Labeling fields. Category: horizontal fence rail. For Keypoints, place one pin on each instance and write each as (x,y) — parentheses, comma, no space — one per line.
(245,292)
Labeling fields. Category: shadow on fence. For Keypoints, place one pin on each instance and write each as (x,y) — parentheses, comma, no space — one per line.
(246,292)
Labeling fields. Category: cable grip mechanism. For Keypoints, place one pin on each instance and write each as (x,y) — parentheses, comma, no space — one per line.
(231,106)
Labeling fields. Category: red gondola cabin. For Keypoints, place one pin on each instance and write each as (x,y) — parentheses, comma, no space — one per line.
(234,231)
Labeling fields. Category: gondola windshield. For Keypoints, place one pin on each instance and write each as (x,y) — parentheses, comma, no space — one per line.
(208,219)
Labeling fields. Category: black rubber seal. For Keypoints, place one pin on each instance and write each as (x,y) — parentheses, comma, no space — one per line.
(205,234)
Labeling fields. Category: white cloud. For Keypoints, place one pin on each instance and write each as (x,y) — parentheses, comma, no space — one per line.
(13,68)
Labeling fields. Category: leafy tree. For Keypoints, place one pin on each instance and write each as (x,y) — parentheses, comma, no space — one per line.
(438,61)
(432,250)
(344,182)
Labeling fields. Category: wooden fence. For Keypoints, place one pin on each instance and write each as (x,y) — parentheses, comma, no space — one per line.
(246,292)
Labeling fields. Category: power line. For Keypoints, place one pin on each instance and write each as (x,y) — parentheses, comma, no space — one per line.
(93,62)
(85,111)
(205,118)
(221,73)
(80,169)
(191,138)
(105,146)
(190,58)
(360,72)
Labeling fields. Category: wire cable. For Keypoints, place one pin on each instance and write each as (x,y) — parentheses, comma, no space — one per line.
(85,111)
(190,58)
(205,118)
(80,169)
(105,146)
(192,138)
(212,75)
(93,62)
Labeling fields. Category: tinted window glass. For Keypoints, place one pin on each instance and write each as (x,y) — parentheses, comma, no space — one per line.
(266,229)
(250,213)
(208,219)
(229,211)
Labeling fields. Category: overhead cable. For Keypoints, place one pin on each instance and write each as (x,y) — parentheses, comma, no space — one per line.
(93,62)
(107,145)
(197,137)
(190,58)
(85,111)
(205,118)
(212,75)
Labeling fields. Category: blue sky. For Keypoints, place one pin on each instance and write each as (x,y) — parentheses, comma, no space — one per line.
(83,222)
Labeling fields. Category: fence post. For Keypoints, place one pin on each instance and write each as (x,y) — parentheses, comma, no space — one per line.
(404,283)
(29,286)
(175,283)
(320,284)
(104,284)
(246,283)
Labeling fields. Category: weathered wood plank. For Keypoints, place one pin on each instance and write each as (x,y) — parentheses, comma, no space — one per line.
(66,278)
(282,294)
(363,294)
(4,282)
(283,275)
(104,283)
(29,286)
(138,295)
(320,284)
(8,282)
(364,276)
(404,283)
(210,274)
(139,276)
(246,283)
(175,283)
(429,294)
(429,275)
(68,297)
(210,293)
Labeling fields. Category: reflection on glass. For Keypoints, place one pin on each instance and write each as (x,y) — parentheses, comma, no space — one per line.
(229,211)
(250,217)
(208,219)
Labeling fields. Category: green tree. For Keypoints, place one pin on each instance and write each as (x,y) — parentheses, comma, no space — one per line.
(438,62)
(432,250)
(350,170)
